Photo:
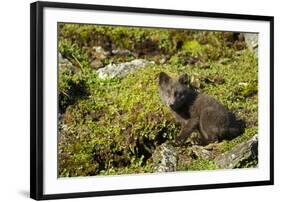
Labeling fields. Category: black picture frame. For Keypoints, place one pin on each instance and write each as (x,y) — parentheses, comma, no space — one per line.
(36,98)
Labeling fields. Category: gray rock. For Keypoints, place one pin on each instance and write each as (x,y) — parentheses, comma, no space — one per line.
(165,158)
(208,152)
(121,52)
(96,64)
(240,153)
(100,50)
(121,70)
(99,53)
(64,63)
(252,41)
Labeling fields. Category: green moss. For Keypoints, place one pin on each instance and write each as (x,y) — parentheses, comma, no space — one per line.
(74,53)
(193,47)
(249,132)
(202,164)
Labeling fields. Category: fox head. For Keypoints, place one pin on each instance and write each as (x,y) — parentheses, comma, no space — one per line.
(174,92)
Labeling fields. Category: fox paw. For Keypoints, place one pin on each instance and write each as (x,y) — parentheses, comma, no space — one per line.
(179,140)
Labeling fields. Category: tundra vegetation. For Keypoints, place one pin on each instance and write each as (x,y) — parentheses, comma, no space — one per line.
(113,126)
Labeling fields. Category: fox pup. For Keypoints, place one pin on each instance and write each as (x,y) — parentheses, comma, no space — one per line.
(196,111)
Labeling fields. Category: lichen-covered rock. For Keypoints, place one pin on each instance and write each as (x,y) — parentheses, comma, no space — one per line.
(96,64)
(208,152)
(64,63)
(165,158)
(252,41)
(239,154)
(100,53)
(121,70)
(122,52)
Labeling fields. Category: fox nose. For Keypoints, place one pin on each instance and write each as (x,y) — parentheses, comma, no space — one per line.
(172,106)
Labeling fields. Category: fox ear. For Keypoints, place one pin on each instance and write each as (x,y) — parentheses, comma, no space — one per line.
(183,79)
(164,78)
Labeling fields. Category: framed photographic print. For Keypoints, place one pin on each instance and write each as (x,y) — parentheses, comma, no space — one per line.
(136,100)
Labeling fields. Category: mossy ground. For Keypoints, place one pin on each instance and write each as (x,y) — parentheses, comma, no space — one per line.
(113,126)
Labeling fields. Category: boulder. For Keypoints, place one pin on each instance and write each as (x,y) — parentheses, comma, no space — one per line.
(252,41)
(64,63)
(122,52)
(165,158)
(96,64)
(121,70)
(241,152)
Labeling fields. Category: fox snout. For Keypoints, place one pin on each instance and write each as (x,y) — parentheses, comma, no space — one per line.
(172,106)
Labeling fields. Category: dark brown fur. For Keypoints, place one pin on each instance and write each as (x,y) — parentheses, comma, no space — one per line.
(196,111)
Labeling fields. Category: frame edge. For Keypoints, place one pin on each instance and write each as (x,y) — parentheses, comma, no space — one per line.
(36,101)
(85,6)
(271,22)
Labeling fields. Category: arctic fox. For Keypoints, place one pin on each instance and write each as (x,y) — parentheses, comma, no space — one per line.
(197,111)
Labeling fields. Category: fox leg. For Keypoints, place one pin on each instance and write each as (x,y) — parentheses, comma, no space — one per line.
(187,129)
(211,126)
